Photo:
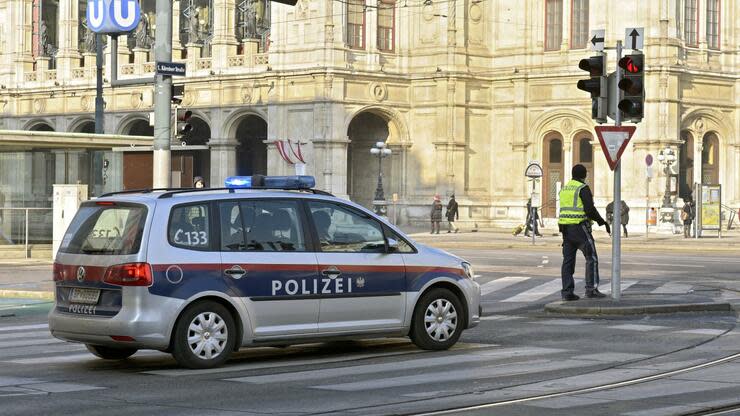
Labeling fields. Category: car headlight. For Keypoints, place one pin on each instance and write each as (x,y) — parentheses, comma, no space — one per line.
(469,273)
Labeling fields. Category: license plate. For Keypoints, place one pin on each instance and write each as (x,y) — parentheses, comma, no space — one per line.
(86,296)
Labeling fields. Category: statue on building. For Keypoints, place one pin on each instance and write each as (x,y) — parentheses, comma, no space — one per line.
(88,39)
(259,13)
(43,39)
(142,36)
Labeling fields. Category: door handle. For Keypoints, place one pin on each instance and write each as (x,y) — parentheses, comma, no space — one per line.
(235,271)
(332,272)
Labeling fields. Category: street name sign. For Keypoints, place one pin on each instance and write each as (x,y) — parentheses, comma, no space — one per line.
(113,16)
(534,170)
(614,140)
(634,37)
(171,68)
(597,40)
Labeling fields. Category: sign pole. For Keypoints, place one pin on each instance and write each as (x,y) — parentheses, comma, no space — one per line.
(531,209)
(616,227)
(161,175)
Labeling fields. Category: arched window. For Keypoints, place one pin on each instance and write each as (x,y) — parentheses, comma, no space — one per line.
(556,151)
(585,151)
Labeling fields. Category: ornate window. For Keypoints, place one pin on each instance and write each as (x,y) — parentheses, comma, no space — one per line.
(356,24)
(579,24)
(253,22)
(713,26)
(386,25)
(691,22)
(556,151)
(553,24)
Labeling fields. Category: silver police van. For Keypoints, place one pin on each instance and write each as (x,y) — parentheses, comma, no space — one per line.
(270,261)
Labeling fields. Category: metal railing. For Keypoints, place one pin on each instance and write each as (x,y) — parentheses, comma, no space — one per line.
(29,225)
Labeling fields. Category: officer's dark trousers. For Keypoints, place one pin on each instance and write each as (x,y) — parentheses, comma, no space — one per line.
(578,237)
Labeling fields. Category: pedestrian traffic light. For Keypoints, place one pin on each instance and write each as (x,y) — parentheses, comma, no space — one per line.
(632,84)
(183,123)
(177,92)
(596,85)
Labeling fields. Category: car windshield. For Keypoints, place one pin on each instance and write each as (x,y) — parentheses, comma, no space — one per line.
(105,229)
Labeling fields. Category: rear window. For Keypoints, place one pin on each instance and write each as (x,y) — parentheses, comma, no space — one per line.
(105,229)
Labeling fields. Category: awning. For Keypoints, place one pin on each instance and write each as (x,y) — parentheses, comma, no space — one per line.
(19,139)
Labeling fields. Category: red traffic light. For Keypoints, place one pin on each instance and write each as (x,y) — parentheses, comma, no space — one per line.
(632,64)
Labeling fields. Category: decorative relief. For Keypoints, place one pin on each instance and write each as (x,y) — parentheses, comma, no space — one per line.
(475,13)
(190,97)
(136,99)
(39,105)
(378,91)
(427,12)
(567,126)
(247,93)
(699,125)
(301,9)
(86,103)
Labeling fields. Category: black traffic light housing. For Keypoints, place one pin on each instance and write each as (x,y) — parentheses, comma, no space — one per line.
(596,85)
(176,93)
(632,104)
(183,123)
(288,2)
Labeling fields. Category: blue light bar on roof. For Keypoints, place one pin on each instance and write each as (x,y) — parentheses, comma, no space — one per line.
(272,182)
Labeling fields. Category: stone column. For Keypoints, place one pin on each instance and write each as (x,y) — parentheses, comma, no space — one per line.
(21,38)
(223,160)
(141,55)
(68,56)
(60,166)
(224,42)
(176,44)
(193,55)
(331,176)
(123,51)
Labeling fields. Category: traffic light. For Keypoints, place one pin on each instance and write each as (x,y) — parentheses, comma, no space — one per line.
(596,85)
(632,85)
(177,92)
(183,123)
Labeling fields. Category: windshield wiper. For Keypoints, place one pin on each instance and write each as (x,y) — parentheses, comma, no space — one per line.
(98,251)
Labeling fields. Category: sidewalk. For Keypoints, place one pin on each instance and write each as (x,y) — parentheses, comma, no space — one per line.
(499,238)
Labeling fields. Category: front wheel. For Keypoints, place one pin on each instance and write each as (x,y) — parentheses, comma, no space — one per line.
(205,336)
(110,353)
(437,322)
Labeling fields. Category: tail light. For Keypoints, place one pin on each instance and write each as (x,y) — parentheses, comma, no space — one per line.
(129,274)
(58,273)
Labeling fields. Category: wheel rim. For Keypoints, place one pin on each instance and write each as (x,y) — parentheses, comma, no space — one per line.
(207,335)
(440,320)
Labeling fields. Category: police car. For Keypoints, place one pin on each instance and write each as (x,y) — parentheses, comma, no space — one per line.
(265,261)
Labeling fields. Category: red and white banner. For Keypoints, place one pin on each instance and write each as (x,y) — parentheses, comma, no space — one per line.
(290,152)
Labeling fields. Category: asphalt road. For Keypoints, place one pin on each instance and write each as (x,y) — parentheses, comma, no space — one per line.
(519,361)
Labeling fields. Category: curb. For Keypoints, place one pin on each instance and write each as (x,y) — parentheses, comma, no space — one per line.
(545,246)
(27,294)
(562,308)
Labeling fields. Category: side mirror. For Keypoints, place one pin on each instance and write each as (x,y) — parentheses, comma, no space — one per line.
(392,245)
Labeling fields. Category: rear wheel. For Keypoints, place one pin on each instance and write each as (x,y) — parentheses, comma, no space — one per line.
(204,336)
(110,353)
(437,322)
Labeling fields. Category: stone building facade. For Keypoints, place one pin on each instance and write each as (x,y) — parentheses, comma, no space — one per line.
(464,92)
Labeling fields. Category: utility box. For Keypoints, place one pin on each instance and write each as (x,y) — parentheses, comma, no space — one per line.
(66,202)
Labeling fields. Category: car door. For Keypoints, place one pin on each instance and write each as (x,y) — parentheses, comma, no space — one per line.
(264,251)
(362,286)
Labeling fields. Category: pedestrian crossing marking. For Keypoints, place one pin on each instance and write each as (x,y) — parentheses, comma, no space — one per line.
(27,342)
(625,284)
(673,288)
(501,283)
(638,327)
(538,292)
(703,331)
(23,327)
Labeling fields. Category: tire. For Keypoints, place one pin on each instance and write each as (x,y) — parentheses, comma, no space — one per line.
(438,320)
(110,353)
(198,322)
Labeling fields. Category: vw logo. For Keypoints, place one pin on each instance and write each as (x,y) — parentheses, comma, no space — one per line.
(80,274)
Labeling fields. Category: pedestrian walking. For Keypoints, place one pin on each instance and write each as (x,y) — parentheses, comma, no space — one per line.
(528,221)
(624,216)
(436,214)
(688,213)
(577,212)
(452,214)
(198,182)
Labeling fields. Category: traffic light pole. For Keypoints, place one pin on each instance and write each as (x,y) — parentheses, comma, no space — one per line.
(161,175)
(616,225)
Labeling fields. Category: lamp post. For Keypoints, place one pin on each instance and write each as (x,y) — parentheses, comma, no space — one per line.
(667,156)
(379,203)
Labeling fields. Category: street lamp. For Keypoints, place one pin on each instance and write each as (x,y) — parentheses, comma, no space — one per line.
(667,156)
(381,151)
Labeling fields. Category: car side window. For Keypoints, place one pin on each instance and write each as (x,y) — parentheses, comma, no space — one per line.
(189,227)
(261,225)
(403,245)
(341,229)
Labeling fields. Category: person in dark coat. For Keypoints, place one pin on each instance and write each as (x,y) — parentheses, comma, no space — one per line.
(529,220)
(452,214)
(688,213)
(624,215)
(436,214)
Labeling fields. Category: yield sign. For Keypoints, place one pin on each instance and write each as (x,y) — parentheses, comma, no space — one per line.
(613,141)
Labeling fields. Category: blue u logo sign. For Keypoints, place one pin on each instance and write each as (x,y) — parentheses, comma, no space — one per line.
(113,16)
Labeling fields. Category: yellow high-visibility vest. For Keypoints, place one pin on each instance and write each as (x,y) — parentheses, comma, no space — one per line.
(571,205)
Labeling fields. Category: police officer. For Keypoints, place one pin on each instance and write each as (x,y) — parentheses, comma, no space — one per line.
(577,212)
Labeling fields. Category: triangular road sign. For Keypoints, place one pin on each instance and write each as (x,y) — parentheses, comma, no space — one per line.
(613,141)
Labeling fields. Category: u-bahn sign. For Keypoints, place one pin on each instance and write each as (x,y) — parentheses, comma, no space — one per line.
(113,16)
(534,170)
